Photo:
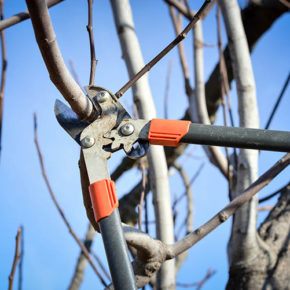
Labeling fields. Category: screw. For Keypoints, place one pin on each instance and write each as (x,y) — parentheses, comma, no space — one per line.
(103,96)
(127,129)
(88,142)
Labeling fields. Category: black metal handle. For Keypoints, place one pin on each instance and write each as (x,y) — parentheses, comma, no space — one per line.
(117,252)
(269,140)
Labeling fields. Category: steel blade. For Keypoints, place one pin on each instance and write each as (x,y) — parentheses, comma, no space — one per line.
(69,120)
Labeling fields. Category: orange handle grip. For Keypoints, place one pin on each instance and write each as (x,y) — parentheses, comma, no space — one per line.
(167,132)
(103,197)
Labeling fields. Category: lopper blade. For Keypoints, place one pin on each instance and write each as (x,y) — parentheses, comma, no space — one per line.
(69,120)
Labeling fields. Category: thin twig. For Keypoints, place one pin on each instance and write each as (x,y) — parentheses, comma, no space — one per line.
(177,25)
(20,265)
(141,203)
(102,266)
(92,43)
(278,102)
(19,17)
(192,180)
(265,208)
(169,47)
(269,196)
(3,72)
(59,209)
(16,258)
(189,194)
(199,284)
(167,88)
(184,11)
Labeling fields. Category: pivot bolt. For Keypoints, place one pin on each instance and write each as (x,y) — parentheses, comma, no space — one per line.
(103,96)
(127,129)
(88,142)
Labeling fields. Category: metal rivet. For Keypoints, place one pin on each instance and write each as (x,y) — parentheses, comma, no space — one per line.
(88,142)
(103,96)
(127,129)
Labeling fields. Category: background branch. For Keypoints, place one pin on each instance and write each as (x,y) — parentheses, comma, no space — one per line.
(3,72)
(19,17)
(16,258)
(59,209)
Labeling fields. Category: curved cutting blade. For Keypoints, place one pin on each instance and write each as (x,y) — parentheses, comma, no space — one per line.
(69,120)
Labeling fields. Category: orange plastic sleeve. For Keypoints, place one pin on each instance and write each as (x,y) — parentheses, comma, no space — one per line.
(103,197)
(167,132)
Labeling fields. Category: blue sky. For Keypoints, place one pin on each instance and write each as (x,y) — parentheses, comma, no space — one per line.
(50,252)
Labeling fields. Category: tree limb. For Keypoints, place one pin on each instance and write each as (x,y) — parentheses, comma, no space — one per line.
(59,74)
(19,17)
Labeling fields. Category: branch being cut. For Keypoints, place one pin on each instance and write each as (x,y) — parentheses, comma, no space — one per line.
(59,209)
(59,74)
(16,258)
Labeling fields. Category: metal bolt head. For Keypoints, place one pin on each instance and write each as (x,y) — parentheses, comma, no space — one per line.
(103,96)
(127,129)
(88,142)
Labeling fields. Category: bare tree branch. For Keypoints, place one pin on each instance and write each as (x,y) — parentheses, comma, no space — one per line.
(143,99)
(231,208)
(3,72)
(81,264)
(265,208)
(59,209)
(142,197)
(53,59)
(16,258)
(167,89)
(278,102)
(269,196)
(21,258)
(92,43)
(199,284)
(19,17)
(184,11)
(156,59)
(152,253)
(189,194)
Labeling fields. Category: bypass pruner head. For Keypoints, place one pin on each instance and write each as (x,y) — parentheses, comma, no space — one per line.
(112,115)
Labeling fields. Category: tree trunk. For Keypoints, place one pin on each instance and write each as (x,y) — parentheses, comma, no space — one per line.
(146,109)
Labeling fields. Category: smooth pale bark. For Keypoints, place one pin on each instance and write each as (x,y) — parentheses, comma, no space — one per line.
(197,106)
(146,109)
(245,245)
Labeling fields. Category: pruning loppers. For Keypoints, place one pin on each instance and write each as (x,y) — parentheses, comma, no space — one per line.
(113,129)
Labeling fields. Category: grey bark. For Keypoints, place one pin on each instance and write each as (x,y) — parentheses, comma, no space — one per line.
(146,109)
